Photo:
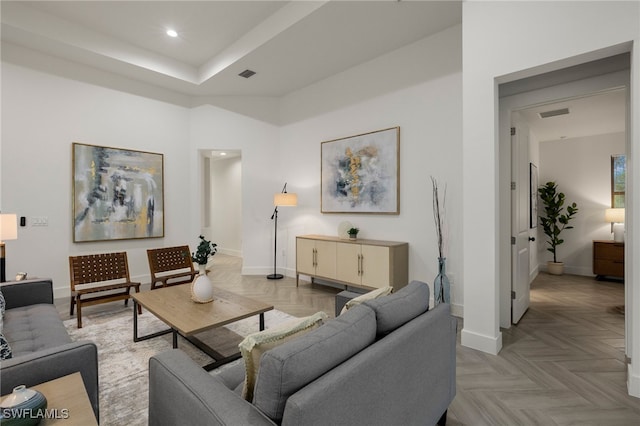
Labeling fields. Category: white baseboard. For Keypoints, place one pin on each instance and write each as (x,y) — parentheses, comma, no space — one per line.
(534,273)
(633,383)
(457,310)
(61,292)
(571,270)
(230,252)
(488,344)
(266,270)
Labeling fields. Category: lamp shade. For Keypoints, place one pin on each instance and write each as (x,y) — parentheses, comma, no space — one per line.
(285,199)
(8,227)
(614,215)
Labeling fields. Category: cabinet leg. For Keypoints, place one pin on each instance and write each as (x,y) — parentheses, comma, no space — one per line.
(297,279)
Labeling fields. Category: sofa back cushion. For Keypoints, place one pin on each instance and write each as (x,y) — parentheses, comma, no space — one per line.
(397,309)
(291,366)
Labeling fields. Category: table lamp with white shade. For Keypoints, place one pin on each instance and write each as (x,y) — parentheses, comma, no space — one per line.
(616,218)
(8,231)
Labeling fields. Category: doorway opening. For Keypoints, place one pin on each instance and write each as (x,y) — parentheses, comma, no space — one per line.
(578,158)
(222,199)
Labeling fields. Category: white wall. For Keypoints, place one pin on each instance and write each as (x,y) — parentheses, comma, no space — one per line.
(428,112)
(582,169)
(505,41)
(41,116)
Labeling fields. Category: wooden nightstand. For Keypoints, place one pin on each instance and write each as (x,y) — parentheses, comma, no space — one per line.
(608,259)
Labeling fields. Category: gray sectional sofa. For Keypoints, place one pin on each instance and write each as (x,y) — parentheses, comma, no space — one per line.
(389,361)
(41,347)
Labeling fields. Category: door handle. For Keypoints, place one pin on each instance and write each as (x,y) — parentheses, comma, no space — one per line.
(532,238)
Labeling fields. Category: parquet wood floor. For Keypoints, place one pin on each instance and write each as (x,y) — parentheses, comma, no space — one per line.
(563,364)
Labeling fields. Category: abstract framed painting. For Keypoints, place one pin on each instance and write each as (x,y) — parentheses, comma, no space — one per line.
(118,194)
(361,174)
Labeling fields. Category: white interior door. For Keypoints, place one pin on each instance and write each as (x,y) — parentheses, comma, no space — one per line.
(519,218)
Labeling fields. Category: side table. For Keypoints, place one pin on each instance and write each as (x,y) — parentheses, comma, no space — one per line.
(608,259)
(67,402)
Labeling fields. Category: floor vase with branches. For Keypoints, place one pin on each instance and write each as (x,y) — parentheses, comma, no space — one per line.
(442,287)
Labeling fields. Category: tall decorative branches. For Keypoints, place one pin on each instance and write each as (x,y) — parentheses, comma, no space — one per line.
(439,215)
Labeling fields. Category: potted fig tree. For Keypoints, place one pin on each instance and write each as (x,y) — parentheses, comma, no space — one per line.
(555,220)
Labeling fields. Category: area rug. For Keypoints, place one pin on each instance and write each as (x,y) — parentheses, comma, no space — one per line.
(123,364)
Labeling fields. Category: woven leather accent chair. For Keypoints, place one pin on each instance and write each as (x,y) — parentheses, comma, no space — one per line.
(99,278)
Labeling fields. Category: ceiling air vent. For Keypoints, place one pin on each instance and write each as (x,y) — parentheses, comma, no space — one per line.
(553,113)
(246,73)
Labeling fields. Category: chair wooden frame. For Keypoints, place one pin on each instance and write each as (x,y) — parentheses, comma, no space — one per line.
(99,278)
(164,261)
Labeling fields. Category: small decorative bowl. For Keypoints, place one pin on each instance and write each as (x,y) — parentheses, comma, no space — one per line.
(24,407)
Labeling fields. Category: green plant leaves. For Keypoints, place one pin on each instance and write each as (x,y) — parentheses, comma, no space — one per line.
(555,219)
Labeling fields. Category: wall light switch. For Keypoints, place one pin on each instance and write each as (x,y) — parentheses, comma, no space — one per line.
(40,221)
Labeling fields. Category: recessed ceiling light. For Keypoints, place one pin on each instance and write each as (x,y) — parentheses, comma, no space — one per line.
(223,154)
(172,33)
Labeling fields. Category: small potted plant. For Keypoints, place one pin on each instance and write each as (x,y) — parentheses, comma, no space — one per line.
(205,250)
(353,233)
(554,221)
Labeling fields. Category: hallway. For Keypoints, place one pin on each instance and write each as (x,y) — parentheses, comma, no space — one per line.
(563,364)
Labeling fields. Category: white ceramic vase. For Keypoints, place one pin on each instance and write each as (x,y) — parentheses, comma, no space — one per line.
(202,289)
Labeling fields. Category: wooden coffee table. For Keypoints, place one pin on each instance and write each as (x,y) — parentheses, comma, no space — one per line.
(173,305)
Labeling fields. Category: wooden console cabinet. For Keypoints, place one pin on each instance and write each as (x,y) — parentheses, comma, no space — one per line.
(362,263)
(608,259)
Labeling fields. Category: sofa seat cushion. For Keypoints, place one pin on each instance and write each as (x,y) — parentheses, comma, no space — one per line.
(33,328)
(289,367)
(397,309)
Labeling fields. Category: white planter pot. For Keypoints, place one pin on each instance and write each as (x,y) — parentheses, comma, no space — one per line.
(555,268)
(202,289)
